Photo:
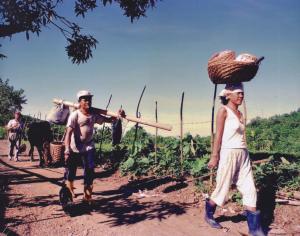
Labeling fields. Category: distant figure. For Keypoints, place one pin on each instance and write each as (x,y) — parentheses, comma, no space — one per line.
(39,134)
(15,129)
(79,143)
(231,156)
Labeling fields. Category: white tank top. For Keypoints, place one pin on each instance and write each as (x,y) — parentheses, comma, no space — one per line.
(233,134)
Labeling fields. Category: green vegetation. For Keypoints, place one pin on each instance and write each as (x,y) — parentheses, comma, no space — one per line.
(2,132)
(276,138)
(11,99)
(278,134)
(279,173)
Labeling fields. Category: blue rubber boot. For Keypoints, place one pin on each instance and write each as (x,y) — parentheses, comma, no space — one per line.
(254,223)
(209,215)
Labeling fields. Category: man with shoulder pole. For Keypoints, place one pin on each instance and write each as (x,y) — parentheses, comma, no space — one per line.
(79,143)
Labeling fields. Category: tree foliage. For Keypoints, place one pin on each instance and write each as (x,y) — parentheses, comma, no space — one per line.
(11,99)
(280,133)
(31,16)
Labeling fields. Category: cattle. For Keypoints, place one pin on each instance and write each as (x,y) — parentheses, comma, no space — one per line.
(40,135)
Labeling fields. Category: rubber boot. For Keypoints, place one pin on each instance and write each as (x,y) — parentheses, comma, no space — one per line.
(209,215)
(254,223)
(87,193)
(70,186)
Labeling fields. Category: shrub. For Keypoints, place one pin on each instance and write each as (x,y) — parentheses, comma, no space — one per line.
(2,133)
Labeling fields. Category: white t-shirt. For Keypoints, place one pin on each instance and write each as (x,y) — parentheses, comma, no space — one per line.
(17,127)
(233,134)
(83,129)
(14,123)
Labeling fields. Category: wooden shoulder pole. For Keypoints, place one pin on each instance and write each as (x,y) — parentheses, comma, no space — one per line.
(109,113)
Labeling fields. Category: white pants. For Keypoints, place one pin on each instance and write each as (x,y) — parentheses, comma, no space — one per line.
(235,168)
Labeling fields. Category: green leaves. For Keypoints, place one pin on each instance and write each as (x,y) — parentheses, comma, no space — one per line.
(2,132)
(199,166)
(127,165)
(280,133)
(82,6)
(278,173)
(11,99)
(80,48)
(141,161)
(32,16)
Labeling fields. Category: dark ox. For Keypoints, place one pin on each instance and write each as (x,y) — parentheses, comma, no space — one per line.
(40,135)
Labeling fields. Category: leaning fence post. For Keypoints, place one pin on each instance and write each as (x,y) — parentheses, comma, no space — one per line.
(138,115)
(181,133)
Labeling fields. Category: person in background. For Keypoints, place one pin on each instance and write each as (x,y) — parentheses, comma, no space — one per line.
(79,143)
(15,128)
(231,156)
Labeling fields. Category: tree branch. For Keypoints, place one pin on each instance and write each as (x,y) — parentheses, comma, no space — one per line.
(8,30)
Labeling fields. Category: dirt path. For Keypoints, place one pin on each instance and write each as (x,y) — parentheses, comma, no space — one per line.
(31,207)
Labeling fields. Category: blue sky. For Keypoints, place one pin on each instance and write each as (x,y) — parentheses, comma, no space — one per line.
(168,52)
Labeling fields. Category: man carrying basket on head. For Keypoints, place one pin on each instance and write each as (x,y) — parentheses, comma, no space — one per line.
(79,143)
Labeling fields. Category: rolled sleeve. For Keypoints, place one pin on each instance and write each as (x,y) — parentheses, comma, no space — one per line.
(72,120)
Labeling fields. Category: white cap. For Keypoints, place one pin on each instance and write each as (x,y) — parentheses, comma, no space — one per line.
(84,93)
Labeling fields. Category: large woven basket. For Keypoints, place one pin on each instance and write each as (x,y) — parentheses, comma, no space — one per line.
(57,151)
(223,68)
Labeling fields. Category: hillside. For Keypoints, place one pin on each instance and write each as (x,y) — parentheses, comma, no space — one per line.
(280,134)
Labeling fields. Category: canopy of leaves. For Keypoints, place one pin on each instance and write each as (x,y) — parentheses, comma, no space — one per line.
(30,16)
(11,99)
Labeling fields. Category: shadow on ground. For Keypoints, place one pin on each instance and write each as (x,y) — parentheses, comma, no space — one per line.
(4,199)
(123,210)
(235,219)
(116,204)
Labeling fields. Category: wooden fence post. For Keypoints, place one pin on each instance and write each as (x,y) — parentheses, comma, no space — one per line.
(212,132)
(103,127)
(138,115)
(156,131)
(245,119)
(181,133)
